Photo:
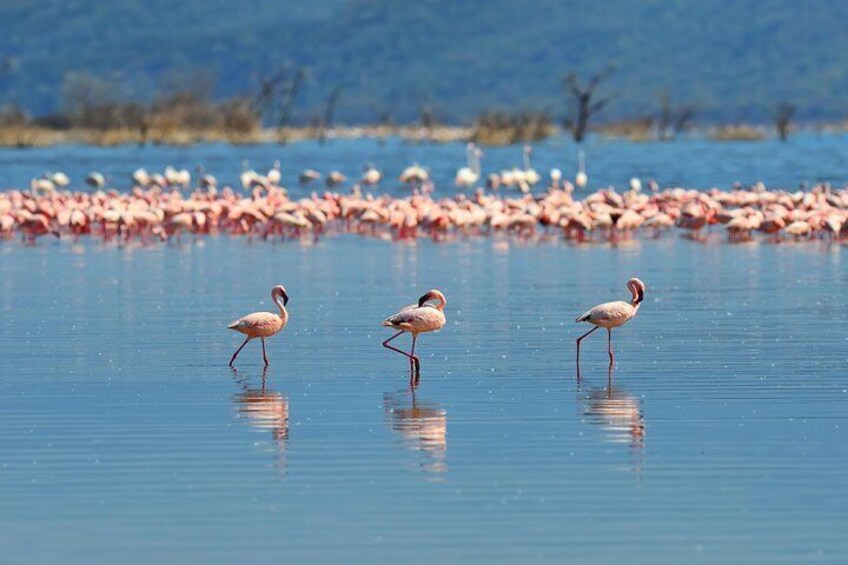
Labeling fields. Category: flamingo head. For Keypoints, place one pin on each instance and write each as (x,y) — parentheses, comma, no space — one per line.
(433,295)
(637,289)
(280,291)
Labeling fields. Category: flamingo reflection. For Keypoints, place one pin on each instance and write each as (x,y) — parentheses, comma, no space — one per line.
(422,425)
(617,412)
(264,409)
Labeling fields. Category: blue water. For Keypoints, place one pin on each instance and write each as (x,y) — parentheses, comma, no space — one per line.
(696,163)
(124,436)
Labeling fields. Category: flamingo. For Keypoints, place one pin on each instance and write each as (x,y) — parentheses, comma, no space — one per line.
(95,180)
(248,176)
(556,177)
(414,174)
(371,175)
(581,179)
(531,177)
(141,177)
(309,175)
(335,178)
(415,319)
(208,181)
(612,315)
(263,324)
(274,175)
(470,174)
(42,186)
(172,175)
(635,184)
(60,179)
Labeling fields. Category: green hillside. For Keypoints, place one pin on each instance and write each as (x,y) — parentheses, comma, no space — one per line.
(736,59)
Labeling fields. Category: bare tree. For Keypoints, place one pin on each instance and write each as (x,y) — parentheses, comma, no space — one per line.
(783,120)
(673,119)
(685,114)
(385,120)
(584,102)
(92,102)
(429,120)
(329,110)
(665,119)
(277,96)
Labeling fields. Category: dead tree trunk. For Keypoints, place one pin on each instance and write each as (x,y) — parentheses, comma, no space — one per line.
(329,110)
(783,120)
(584,102)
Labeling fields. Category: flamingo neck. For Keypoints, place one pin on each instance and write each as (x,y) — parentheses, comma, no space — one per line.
(278,300)
(526,160)
(638,296)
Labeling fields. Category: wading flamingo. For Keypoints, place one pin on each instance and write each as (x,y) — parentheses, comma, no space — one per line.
(263,324)
(581,179)
(415,319)
(371,175)
(612,315)
(470,174)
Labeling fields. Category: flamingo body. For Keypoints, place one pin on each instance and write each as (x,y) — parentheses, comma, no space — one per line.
(417,319)
(610,314)
(259,324)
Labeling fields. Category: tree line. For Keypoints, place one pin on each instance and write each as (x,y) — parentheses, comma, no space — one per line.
(187,104)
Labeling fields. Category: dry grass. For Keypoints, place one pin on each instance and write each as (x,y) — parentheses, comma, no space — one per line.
(501,128)
(30,136)
(737,132)
(637,129)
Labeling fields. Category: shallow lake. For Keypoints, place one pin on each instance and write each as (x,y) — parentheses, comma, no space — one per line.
(124,436)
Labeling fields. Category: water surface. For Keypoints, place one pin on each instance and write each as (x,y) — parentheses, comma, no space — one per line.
(694,163)
(124,436)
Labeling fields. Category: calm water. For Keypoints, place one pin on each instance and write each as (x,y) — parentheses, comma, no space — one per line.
(124,436)
(696,163)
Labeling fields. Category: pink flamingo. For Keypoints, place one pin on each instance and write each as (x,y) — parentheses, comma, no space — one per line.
(263,324)
(416,319)
(612,315)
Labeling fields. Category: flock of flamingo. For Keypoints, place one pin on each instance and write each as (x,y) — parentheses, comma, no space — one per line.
(428,315)
(164,206)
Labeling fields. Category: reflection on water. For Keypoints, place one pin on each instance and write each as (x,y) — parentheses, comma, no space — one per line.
(617,412)
(422,424)
(264,409)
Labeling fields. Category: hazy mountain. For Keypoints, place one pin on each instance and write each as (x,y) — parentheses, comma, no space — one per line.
(737,58)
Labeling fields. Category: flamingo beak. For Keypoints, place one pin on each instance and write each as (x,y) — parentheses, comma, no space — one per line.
(424,299)
(285,297)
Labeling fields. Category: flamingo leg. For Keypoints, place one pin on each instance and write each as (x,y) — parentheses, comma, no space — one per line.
(232,360)
(264,356)
(579,339)
(609,346)
(412,358)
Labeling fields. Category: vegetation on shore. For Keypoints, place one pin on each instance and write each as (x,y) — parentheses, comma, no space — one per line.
(100,111)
